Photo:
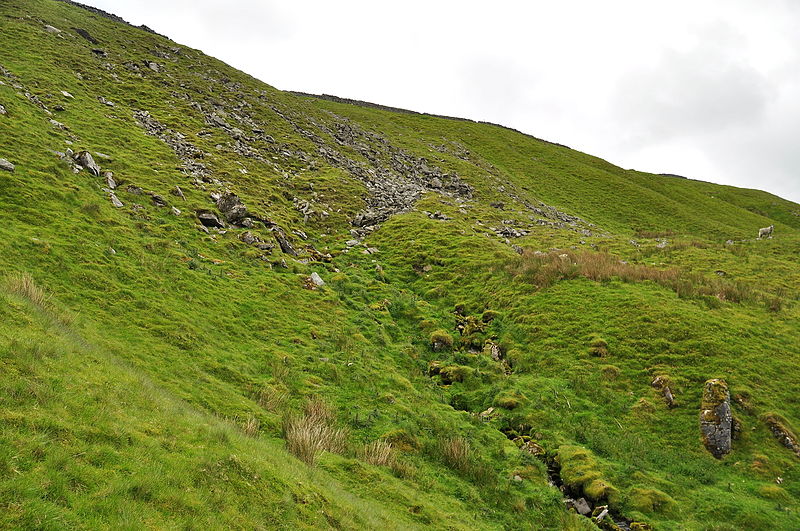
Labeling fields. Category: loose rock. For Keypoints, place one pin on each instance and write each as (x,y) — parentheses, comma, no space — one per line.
(84,158)
(115,200)
(317,280)
(110,182)
(209,219)
(5,165)
(283,241)
(177,192)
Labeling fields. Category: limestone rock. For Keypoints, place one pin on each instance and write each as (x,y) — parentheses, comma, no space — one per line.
(51,29)
(283,241)
(110,182)
(2,110)
(582,507)
(115,200)
(85,159)
(177,192)
(209,219)
(232,208)
(157,200)
(317,280)
(779,428)
(5,165)
(716,418)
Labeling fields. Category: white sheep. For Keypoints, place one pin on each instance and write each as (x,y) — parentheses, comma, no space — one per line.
(767,231)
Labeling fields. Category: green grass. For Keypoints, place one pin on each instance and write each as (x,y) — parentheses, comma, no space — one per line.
(150,370)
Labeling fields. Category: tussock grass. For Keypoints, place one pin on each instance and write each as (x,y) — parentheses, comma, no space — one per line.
(458,454)
(272,399)
(23,285)
(312,433)
(545,269)
(378,453)
(251,427)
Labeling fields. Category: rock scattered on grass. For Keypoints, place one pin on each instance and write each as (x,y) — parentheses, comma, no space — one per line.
(110,182)
(115,200)
(209,219)
(85,159)
(177,192)
(317,280)
(5,165)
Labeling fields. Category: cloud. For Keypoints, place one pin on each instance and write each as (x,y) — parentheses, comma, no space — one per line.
(706,89)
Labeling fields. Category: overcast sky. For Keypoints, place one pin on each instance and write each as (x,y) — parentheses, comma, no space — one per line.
(709,90)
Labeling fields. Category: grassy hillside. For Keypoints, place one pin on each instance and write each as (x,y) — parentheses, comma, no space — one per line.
(498,312)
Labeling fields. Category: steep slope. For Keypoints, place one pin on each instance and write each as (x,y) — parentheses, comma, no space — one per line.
(497,312)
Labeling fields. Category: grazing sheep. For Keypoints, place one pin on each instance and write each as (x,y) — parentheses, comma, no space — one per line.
(766,232)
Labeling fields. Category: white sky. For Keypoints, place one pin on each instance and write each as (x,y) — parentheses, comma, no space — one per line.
(706,89)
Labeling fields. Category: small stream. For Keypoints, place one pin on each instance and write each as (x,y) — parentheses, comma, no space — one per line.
(574,499)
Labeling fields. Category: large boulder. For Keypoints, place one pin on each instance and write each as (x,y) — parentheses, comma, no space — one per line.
(716,418)
(232,208)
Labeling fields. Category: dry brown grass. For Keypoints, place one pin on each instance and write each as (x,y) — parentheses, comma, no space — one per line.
(272,399)
(23,285)
(545,269)
(457,454)
(251,426)
(378,453)
(312,433)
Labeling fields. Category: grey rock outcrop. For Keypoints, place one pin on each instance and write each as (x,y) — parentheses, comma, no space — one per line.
(232,208)
(209,219)
(85,159)
(284,243)
(317,280)
(5,165)
(716,418)
(115,200)
(110,182)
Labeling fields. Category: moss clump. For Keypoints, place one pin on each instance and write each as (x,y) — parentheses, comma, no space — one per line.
(402,441)
(489,315)
(599,490)
(610,372)
(427,324)
(643,408)
(774,492)
(434,367)
(581,472)
(715,392)
(598,347)
(441,340)
(455,373)
(650,501)
(509,400)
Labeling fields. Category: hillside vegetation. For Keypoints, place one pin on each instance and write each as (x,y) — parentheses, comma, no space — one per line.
(228,306)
